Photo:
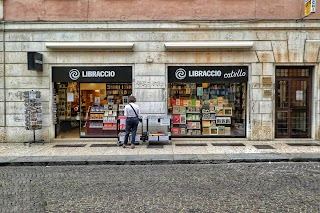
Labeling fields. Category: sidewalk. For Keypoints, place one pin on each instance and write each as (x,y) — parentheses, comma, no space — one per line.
(90,152)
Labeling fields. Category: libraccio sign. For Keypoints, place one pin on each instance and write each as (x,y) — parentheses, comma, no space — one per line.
(201,74)
(116,74)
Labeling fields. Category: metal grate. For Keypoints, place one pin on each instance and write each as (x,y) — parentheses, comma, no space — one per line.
(228,144)
(263,146)
(158,146)
(69,145)
(191,144)
(303,144)
(104,145)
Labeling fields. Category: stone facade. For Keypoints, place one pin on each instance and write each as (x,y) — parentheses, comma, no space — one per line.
(291,39)
(279,44)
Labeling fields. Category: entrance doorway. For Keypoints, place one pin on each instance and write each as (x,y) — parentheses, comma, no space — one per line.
(293,102)
(89,100)
(89,109)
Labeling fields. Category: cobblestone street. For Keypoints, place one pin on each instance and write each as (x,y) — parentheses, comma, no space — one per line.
(258,187)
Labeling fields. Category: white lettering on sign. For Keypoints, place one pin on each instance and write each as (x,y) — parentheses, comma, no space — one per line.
(234,74)
(101,74)
(205,73)
(74,74)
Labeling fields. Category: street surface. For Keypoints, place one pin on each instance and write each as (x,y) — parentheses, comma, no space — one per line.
(257,187)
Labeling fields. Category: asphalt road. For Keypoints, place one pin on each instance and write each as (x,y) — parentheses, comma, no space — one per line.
(257,187)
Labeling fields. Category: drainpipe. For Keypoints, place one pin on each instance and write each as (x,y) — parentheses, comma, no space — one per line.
(4,74)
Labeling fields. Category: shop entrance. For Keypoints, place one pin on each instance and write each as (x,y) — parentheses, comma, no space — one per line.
(88,100)
(89,109)
(293,102)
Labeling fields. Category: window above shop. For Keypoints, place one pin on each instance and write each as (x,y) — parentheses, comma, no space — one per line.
(209,45)
(91,45)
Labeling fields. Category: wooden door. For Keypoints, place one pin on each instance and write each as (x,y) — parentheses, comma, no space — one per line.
(293,102)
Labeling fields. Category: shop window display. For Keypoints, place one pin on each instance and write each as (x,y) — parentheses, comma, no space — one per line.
(207,109)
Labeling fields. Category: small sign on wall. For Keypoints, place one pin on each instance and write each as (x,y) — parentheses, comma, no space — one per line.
(267,93)
(266,80)
(35,61)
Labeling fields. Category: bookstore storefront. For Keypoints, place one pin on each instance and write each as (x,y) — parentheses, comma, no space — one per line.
(207,101)
(88,100)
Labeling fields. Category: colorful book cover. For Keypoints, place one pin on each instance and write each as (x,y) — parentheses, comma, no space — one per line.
(183,119)
(178,102)
(189,117)
(199,91)
(176,110)
(221,130)
(227,130)
(215,102)
(188,91)
(219,110)
(185,102)
(175,130)
(176,119)
(182,110)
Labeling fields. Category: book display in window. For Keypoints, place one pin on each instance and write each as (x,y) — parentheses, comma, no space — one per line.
(179,120)
(102,120)
(210,109)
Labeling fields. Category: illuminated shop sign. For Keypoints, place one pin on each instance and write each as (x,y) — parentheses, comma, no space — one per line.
(117,74)
(199,74)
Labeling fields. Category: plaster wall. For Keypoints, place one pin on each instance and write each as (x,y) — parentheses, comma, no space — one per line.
(271,47)
(88,10)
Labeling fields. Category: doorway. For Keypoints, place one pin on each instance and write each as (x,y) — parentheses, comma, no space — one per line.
(89,109)
(293,102)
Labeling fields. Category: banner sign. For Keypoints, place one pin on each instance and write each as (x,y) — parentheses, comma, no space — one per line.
(209,74)
(108,74)
(313,6)
(307,7)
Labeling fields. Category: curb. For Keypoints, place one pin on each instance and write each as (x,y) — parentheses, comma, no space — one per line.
(153,162)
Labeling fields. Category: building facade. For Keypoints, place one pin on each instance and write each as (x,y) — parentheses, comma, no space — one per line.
(217,69)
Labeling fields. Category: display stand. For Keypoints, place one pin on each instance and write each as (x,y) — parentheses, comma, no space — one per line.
(163,121)
(121,128)
(33,114)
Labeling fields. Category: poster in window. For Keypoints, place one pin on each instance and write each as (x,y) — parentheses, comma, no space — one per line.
(70,97)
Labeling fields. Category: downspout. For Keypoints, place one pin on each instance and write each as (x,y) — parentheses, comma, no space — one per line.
(4,75)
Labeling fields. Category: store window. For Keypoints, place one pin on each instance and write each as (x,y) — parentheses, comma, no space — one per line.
(90,106)
(207,101)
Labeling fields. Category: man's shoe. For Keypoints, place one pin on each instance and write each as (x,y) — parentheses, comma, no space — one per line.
(123,146)
(132,146)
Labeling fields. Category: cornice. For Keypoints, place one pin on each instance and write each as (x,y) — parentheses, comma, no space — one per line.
(162,25)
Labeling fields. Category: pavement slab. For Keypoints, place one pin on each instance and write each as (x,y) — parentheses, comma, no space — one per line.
(15,153)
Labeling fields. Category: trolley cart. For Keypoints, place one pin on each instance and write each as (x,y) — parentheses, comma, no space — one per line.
(160,122)
(121,131)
